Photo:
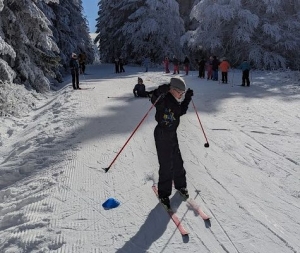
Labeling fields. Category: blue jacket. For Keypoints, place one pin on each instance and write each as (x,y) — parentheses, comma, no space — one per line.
(244,66)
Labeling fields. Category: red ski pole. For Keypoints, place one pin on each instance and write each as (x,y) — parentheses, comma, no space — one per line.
(206,144)
(106,169)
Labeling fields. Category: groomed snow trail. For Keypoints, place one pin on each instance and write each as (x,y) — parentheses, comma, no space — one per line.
(247,180)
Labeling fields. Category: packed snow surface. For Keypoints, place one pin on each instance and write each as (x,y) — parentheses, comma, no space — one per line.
(52,182)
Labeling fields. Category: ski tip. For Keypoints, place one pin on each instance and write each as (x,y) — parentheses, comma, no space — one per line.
(207,223)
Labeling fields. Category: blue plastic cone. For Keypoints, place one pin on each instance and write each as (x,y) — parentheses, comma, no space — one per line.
(110,203)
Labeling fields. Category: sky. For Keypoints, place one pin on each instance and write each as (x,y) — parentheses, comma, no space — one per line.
(52,182)
(90,10)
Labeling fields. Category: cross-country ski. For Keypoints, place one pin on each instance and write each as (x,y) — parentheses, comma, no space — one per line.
(172,215)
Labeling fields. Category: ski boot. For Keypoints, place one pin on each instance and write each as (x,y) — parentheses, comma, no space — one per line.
(166,202)
(184,193)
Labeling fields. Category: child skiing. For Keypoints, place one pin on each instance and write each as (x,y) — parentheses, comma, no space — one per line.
(169,108)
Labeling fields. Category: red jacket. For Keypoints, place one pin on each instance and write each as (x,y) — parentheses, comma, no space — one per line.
(224,66)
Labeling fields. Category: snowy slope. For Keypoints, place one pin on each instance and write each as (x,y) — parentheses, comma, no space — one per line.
(53,185)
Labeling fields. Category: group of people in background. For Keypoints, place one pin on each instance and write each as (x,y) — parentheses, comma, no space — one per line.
(213,65)
(210,67)
(77,65)
(176,64)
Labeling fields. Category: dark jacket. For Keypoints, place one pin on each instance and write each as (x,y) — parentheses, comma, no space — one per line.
(168,110)
(201,64)
(139,90)
(175,61)
(186,61)
(215,64)
(74,65)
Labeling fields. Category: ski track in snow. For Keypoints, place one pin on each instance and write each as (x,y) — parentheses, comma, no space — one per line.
(53,183)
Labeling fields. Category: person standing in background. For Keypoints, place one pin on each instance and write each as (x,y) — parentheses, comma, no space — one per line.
(176,65)
(117,65)
(74,66)
(121,63)
(209,68)
(186,63)
(166,64)
(215,68)
(146,63)
(245,66)
(224,67)
(201,66)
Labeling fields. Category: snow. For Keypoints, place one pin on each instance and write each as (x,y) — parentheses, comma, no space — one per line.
(53,183)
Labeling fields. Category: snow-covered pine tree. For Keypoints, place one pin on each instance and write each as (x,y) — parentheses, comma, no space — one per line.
(278,47)
(26,30)
(7,54)
(185,7)
(134,29)
(28,52)
(109,24)
(153,29)
(70,30)
(263,32)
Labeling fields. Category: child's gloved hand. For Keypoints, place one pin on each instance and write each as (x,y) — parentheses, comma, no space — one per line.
(189,93)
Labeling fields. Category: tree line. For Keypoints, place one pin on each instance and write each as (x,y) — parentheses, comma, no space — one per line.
(266,33)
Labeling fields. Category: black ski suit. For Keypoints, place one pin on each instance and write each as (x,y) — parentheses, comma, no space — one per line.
(168,112)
